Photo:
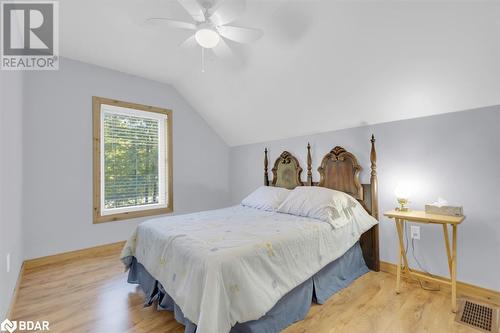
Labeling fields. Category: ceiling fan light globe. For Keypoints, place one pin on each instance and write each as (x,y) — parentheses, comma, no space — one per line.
(207,38)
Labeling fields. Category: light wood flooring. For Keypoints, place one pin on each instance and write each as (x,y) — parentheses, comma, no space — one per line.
(90,294)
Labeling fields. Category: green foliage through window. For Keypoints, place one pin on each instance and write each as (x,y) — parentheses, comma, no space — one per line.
(130,161)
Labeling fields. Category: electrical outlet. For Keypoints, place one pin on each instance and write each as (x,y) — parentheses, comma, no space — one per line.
(7,263)
(415,232)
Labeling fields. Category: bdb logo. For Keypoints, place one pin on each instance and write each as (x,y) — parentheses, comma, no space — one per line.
(23,325)
(30,35)
(8,325)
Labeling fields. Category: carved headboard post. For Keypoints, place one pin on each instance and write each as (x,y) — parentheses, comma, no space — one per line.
(309,167)
(374,233)
(373,180)
(266,177)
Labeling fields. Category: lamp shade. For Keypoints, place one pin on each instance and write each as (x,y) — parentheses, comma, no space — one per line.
(402,191)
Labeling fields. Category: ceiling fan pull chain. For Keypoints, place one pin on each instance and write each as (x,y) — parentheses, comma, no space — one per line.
(203,60)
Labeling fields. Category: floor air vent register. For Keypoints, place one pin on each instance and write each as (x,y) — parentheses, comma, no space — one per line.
(478,315)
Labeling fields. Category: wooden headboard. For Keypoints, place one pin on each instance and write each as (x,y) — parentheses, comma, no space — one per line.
(286,171)
(339,170)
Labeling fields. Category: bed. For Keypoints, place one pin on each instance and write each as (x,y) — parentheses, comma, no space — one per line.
(242,269)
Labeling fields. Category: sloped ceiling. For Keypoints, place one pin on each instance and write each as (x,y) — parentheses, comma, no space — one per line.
(321,65)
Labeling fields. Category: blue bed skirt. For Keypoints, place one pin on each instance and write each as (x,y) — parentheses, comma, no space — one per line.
(292,307)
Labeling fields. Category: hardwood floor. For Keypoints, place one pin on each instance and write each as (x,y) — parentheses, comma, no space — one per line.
(90,294)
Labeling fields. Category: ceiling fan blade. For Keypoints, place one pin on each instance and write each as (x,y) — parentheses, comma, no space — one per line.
(222,50)
(171,23)
(226,11)
(194,9)
(189,43)
(240,34)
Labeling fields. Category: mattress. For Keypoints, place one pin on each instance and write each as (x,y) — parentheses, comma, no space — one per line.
(233,265)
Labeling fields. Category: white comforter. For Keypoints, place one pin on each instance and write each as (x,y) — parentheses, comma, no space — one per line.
(232,265)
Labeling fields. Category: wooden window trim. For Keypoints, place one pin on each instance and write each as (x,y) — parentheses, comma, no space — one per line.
(96,124)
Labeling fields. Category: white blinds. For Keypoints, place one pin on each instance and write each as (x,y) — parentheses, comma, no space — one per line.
(132,160)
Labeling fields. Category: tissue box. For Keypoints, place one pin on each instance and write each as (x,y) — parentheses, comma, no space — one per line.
(444,210)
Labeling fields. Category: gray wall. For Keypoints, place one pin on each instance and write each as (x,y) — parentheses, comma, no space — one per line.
(455,156)
(58,155)
(11,166)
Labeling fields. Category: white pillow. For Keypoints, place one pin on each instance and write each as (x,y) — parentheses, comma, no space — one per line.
(266,198)
(320,203)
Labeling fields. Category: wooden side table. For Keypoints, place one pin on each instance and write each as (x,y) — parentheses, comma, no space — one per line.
(400,218)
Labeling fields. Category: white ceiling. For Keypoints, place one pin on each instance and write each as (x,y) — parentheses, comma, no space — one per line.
(321,65)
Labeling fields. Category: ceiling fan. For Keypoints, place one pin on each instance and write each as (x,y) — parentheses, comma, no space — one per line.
(210,25)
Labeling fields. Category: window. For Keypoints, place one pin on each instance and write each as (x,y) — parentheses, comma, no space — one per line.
(132,160)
